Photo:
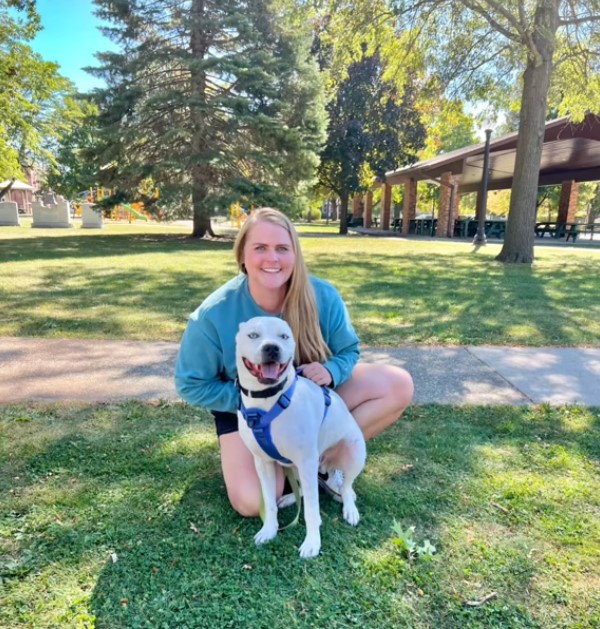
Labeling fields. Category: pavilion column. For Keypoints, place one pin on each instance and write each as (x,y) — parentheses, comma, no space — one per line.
(409,206)
(386,204)
(448,205)
(569,194)
(454,205)
(356,206)
(368,209)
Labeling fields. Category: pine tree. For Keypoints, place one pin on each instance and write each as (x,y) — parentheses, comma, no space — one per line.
(213,100)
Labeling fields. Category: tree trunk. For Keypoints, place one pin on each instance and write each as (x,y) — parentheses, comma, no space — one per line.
(519,238)
(202,225)
(344,213)
(200,171)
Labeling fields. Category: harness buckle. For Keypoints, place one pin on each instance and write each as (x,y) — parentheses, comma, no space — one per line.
(284,401)
(253,418)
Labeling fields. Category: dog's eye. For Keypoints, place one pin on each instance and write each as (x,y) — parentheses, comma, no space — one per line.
(284,336)
(253,335)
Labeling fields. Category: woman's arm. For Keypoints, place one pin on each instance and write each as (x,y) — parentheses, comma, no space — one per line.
(199,371)
(338,333)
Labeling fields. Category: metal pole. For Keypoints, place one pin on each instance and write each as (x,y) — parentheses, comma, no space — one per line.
(480,238)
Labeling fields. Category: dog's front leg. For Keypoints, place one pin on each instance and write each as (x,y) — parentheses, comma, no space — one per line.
(268,485)
(308,472)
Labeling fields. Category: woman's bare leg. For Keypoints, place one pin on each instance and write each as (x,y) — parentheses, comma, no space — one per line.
(377,395)
(241,479)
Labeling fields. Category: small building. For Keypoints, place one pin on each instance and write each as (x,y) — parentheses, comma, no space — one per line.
(20,193)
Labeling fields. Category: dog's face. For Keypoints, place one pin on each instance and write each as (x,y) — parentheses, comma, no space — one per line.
(264,350)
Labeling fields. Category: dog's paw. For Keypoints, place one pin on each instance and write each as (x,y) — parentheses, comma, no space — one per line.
(310,548)
(286,501)
(351,514)
(265,534)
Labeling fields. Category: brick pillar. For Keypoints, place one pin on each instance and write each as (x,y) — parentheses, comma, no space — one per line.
(368,209)
(386,204)
(409,205)
(455,201)
(447,209)
(356,205)
(569,193)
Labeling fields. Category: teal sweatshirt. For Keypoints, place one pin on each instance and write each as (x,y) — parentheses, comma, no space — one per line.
(206,369)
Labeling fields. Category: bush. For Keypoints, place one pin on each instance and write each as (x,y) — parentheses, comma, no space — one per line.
(312,214)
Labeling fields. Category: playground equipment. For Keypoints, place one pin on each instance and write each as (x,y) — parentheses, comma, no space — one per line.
(136,210)
(124,212)
(236,215)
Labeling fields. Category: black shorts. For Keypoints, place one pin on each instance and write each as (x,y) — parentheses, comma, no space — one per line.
(225,422)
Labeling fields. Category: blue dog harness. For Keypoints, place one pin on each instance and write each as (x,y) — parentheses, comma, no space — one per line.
(259,421)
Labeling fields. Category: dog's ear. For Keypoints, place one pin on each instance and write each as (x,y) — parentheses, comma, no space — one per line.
(243,325)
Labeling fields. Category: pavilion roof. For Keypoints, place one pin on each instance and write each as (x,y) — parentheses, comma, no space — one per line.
(571,151)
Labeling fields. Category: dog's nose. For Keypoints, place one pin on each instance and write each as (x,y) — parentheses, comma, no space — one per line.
(271,353)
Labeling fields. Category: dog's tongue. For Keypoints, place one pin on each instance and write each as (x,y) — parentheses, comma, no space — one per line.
(270,370)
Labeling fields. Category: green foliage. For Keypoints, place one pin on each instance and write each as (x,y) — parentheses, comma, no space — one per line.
(34,98)
(404,540)
(72,172)
(448,127)
(371,126)
(219,102)
(538,58)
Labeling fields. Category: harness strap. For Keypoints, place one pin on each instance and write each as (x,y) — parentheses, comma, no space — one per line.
(259,420)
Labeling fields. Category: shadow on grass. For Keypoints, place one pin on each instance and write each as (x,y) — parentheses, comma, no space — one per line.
(138,488)
(484,303)
(112,305)
(203,569)
(95,245)
(441,298)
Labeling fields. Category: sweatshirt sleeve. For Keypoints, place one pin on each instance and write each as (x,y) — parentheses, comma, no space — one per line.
(339,335)
(200,372)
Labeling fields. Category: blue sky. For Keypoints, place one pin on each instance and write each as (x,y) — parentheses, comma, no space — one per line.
(70,38)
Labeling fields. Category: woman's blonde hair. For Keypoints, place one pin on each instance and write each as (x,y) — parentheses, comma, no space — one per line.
(299,306)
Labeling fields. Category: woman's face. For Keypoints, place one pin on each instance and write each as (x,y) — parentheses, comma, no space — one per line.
(269,256)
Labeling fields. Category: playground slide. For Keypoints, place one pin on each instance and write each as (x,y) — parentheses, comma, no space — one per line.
(135,213)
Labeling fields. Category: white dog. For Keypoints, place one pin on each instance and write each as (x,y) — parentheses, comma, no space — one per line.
(295,422)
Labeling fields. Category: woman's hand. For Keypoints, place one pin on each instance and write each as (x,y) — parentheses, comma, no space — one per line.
(317,373)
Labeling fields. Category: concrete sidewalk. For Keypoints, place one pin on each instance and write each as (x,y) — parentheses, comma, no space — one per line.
(98,371)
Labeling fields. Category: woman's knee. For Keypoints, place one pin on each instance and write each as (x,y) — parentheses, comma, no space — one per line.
(402,387)
(389,382)
(245,499)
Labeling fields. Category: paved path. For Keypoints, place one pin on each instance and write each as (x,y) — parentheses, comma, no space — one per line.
(95,371)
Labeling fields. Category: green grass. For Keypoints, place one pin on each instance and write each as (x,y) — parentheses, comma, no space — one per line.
(140,282)
(114,516)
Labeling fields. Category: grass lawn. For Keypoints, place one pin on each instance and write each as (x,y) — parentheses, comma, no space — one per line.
(140,282)
(114,516)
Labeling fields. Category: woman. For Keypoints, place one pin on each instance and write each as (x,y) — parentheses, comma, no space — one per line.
(274,281)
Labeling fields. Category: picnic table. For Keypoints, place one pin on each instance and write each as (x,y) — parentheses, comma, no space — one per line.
(557,229)
(467,228)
